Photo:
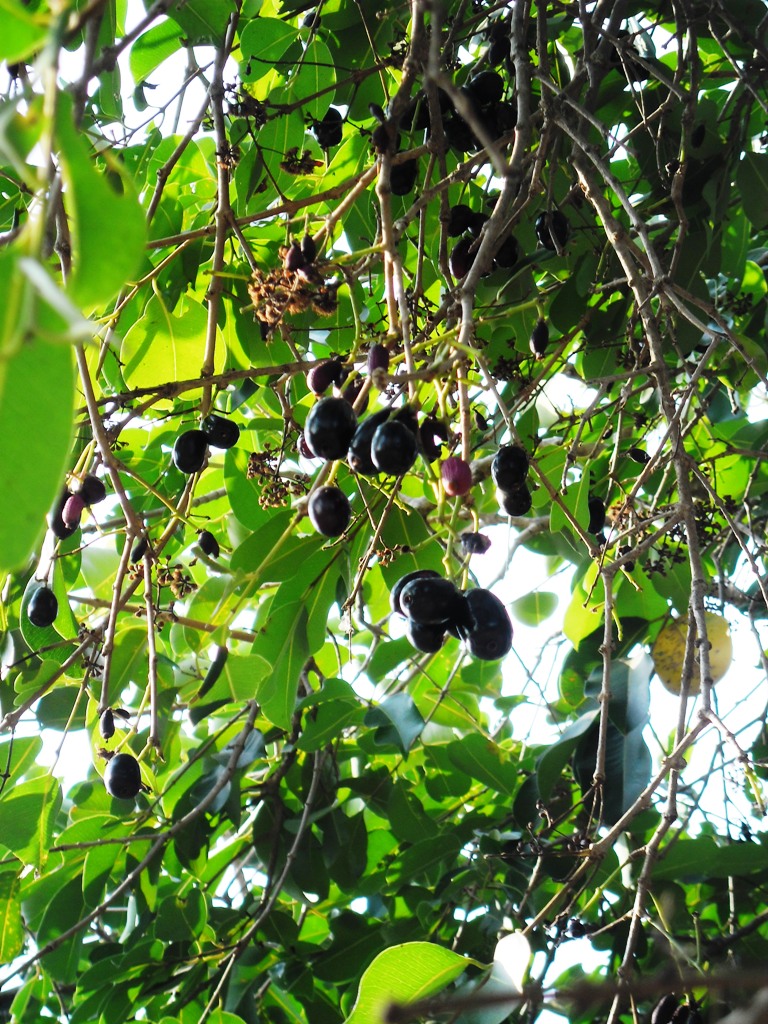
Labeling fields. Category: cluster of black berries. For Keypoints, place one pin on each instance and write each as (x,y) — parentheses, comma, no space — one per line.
(509,470)
(434,607)
(190,450)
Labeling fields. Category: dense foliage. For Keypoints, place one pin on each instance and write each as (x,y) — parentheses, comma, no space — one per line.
(534,227)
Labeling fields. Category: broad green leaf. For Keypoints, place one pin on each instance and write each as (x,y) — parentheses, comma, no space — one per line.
(162,345)
(486,762)
(263,41)
(396,722)
(95,198)
(752,180)
(404,974)
(203,21)
(533,608)
(23,32)
(27,815)
(181,917)
(694,859)
(283,644)
(34,460)
(152,48)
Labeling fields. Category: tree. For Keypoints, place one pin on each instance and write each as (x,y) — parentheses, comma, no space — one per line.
(402,229)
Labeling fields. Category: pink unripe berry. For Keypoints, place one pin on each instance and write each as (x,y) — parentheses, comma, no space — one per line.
(457,476)
(73,509)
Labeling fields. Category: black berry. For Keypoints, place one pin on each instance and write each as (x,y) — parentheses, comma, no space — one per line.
(220,432)
(425,637)
(330,427)
(328,131)
(208,544)
(329,511)
(596,515)
(359,455)
(393,448)
(72,511)
(43,607)
(92,490)
(403,176)
(509,467)
(539,338)
(417,574)
(552,230)
(486,88)
(461,259)
(323,374)
(190,450)
(123,777)
(474,543)
(107,724)
(489,635)
(516,502)
(430,601)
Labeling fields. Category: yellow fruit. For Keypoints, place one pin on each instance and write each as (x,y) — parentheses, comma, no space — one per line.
(669,650)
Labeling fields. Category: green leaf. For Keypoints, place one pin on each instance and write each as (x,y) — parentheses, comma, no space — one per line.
(168,346)
(96,198)
(27,814)
(752,180)
(34,460)
(533,608)
(486,762)
(283,644)
(152,48)
(181,917)
(403,974)
(23,32)
(689,860)
(263,42)
(396,721)
(203,21)
(11,924)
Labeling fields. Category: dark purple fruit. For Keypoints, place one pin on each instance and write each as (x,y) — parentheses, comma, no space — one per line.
(639,455)
(107,724)
(507,254)
(552,230)
(359,455)
(352,392)
(460,217)
(92,490)
(72,511)
(208,544)
(431,601)
(509,467)
(139,549)
(329,511)
(393,448)
(293,258)
(500,119)
(330,426)
(221,432)
(403,176)
(378,358)
(304,448)
(596,515)
(431,433)
(55,521)
(328,131)
(539,338)
(190,450)
(309,249)
(311,21)
(323,374)
(425,637)
(123,777)
(664,1010)
(456,475)
(459,135)
(43,607)
(417,574)
(476,223)
(489,634)
(486,88)
(516,502)
(461,258)
(474,543)
(498,43)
